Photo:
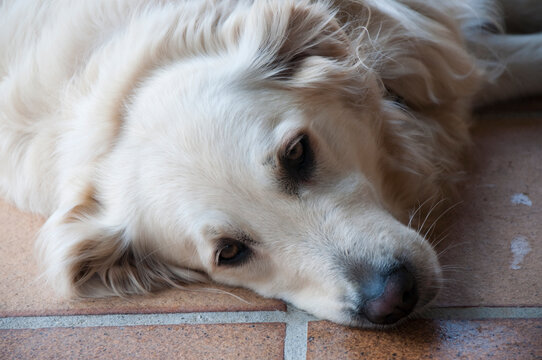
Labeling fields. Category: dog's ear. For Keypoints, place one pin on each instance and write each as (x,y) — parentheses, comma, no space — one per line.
(308,33)
(85,257)
(421,55)
(301,45)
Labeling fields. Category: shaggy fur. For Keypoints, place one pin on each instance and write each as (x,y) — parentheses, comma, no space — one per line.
(153,135)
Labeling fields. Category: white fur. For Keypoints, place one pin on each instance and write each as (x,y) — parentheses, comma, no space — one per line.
(149,130)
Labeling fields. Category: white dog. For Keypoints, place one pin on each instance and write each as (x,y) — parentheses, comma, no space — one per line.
(277,145)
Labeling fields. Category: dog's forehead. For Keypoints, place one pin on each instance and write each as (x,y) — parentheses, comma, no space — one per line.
(234,122)
(224,140)
(215,109)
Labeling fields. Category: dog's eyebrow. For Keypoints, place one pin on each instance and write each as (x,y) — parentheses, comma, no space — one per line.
(234,233)
(247,239)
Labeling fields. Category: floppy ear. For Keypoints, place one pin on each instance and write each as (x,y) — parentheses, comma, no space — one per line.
(84,257)
(420,54)
(301,45)
(307,32)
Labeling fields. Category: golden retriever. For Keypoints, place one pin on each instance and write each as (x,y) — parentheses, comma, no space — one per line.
(277,145)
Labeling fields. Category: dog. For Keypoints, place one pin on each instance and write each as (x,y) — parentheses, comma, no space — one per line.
(285,146)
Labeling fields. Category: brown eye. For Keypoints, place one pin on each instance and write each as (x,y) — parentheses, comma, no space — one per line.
(298,159)
(232,252)
(295,152)
(229,252)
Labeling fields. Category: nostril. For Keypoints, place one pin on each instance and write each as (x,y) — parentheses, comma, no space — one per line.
(397,299)
(408,296)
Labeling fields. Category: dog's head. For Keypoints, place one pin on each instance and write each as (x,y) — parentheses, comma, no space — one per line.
(257,164)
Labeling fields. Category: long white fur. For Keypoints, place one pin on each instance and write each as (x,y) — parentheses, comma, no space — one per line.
(146,130)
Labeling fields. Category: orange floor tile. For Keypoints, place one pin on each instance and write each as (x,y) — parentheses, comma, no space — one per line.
(490,307)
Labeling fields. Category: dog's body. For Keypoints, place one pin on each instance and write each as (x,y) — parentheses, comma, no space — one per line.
(275,145)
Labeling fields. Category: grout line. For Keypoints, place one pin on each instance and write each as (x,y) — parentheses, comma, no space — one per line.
(295,319)
(295,341)
(142,319)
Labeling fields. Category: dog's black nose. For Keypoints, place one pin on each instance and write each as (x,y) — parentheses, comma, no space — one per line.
(393,297)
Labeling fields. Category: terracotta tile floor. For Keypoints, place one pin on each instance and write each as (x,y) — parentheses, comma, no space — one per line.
(491,306)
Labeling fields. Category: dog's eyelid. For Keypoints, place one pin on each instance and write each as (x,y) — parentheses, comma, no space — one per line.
(292,144)
(234,235)
(292,139)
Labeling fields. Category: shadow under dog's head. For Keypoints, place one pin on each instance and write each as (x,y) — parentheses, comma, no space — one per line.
(256,160)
